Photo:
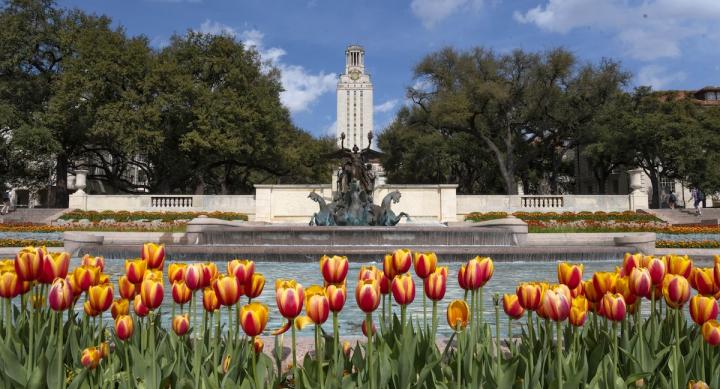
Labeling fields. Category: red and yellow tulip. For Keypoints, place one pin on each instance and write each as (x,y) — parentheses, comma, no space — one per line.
(227,290)
(703,309)
(289,296)
(640,282)
(512,307)
(154,255)
(630,262)
(242,269)
(135,270)
(570,274)
(127,289)
(369,272)
(318,308)
(124,327)
(253,318)
(435,284)
(676,290)
(613,306)
(424,264)
(622,286)
(100,297)
(181,324)
(176,271)
(89,260)
(151,293)
(367,295)
(254,286)
(9,283)
(181,293)
(679,265)
(401,261)
(28,264)
(703,281)
(210,300)
(120,307)
(578,311)
(334,269)
(657,268)
(403,289)
(530,295)
(89,310)
(556,305)
(336,294)
(711,332)
(194,276)
(60,296)
(139,307)
(90,357)
(478,272)
(604,282)
(54,265)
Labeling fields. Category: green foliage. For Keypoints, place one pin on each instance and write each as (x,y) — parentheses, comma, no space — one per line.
(128,216)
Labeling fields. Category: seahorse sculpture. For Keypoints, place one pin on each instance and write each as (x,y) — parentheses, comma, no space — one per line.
(324,217)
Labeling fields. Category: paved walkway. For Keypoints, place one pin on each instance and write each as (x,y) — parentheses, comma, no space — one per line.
(710,216)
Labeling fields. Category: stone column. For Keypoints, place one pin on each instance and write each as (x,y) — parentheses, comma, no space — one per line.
(448,203)
(637,198)
(263,203)
(78,200)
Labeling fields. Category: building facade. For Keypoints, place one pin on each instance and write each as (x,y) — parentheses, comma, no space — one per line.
(354,100)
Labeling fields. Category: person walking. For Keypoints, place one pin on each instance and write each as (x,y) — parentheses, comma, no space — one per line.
(6,203)
(697,196)
(672,200)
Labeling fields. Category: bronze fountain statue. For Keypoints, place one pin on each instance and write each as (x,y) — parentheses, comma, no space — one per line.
(352,204)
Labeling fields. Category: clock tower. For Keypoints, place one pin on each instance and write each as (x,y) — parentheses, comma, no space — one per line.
(354,100)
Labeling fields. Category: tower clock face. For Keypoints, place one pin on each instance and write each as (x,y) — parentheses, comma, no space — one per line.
(354,75)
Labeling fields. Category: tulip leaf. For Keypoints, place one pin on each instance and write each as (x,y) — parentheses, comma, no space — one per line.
(11,367)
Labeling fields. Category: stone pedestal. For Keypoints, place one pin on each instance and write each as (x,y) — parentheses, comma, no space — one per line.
(637,198)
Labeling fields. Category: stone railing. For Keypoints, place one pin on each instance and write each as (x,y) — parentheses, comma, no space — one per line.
(171,202)
(543,202)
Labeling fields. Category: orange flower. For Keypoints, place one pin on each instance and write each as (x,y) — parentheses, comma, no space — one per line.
(60,296)
(210,300)
(139,307)
(124,327)
(556,305)
(640,282)
(424,264)
(461,277)
(176,271)
(258,345)
(676,290)
(578,311)
(334,269)
(289,296)
(704,281)
(478,272)
(403,289)
(9,284)
(458,314)
(711,332)
(703,309)
(254,286)
(181,293)
(613,306)
(630,262)
(120,307)
(28,264)
(242,269)
(89,260)
(622,286)
(90,358)
(227,290)
(151,293)
(367,295)
(697,385)
(135,270)
(154,255)
(100,297)
(530,295)
(336,295)
(89,310)
(435,284)
(54,265)
(401,260)
(570,275)
(181,324)
(511,306)
(253,318)
(127,288)
(604,282)
(210,273)
(369,272)
(680,265)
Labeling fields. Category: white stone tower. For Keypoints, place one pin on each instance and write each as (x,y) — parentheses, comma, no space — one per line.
(354,100)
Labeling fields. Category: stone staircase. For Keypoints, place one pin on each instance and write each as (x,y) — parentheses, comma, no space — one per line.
(686,216)
(32,215)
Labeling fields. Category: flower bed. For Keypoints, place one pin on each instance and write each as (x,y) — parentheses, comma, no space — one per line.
(96,226)
(688,244)
(127,216)
(599,216)
(577,331)
(29,242)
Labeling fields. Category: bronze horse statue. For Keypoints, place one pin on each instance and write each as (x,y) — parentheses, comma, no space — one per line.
(384,216)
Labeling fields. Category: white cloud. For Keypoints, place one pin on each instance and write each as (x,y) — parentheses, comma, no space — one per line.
(432,12)
(301,88)
(386,106)
(648,30)
(658,76)
(331,129)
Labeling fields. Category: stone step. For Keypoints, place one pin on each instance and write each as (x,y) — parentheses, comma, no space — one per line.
(33,215)
(687,217)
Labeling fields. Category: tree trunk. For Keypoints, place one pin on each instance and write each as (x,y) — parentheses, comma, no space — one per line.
(200,186)
(601,179)
(61,192)
(655,181)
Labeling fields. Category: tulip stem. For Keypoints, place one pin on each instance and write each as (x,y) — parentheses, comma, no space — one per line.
(368,357)
(434,320)
(196,347)
(229,336)
(382,314)
(457,357)
(424,307)
(403,317)
(676,380)
(652,317)
(32,333)
(473,327)
(497,337)
(294,355)
(702,358)
(319,354)
(254,362)
(558,342)
(336,337)
(531,349)
(151,316)
(615,345)
(8,319)
(61,373)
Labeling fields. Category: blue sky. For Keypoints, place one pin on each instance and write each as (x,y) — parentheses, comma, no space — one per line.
(669,44)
